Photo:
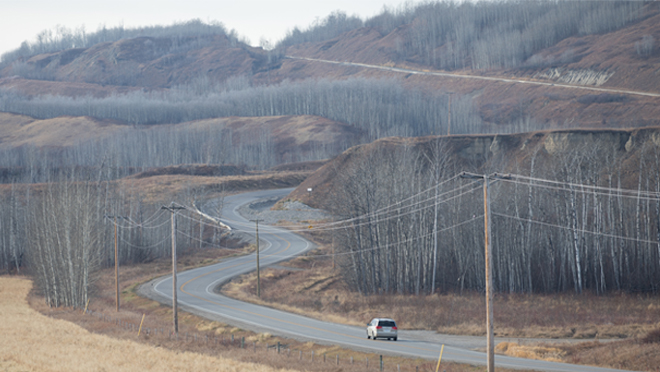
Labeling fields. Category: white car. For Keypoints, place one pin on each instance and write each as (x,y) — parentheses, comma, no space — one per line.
(383,328)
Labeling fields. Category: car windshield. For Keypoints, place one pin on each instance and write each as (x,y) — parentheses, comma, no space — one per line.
(386,323)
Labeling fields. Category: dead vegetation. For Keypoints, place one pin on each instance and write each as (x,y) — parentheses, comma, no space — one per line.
(315,289)
(198,337)
(33,342)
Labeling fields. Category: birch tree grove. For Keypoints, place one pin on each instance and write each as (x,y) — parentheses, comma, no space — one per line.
(571,220)
(64,243)
(57,232)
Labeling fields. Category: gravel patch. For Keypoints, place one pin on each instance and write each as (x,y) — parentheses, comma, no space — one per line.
(290,211)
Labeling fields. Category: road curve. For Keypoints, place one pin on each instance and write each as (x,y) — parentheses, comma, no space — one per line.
(195,293)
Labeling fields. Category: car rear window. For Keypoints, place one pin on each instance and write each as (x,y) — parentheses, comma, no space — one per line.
(386,323)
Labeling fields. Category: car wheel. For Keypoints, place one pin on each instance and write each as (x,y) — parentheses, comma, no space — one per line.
(395,338)
(368,337)
(374,338)
(389,339)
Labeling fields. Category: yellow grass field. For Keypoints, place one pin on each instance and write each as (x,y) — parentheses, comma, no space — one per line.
(30,341)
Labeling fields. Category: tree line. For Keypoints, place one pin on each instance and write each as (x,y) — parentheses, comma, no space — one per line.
(376,108)
(480,35)
(61,233)
(414,227)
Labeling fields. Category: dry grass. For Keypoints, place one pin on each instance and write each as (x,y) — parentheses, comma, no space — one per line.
(158,321)
(19,130)
(33,342)
(315,289)
(161,188)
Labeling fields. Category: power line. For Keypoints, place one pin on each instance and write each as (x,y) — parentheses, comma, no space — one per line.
(578,187)
(152,246)
(575,229)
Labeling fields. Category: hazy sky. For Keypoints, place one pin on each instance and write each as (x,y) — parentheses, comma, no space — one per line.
(22,20)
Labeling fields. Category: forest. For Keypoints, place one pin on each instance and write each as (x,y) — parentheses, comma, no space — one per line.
(407,223)
(377,108)
(61,232)
(480,35)
(582,218)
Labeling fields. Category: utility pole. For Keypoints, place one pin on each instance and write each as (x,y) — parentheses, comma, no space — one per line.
(175,316)
(490,344)
(449,113)
(116,262)
(333,254)
(258,276)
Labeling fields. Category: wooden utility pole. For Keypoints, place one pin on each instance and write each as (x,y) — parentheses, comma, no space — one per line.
(258,275)
(116,268)
(116,262)
(490,342)
(449,113)
(175,316)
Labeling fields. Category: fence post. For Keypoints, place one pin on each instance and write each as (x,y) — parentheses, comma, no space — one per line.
(351,359)
(278,347)
(242,342)
(381,362)
(312,355)
(337,359)
(300,354)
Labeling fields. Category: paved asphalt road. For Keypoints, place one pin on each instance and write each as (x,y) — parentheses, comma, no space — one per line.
(195,294)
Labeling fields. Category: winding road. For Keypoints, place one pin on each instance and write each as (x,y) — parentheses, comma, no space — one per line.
(196,294)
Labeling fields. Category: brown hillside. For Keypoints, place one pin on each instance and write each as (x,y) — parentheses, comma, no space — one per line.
(31,87)
(146,62)
(491,153)
(18,130)
(608,60)
(289,134)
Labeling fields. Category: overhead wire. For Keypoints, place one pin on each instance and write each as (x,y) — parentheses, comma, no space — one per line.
(577,187)
(574,229)
(417,237)
(152,246)
(389,217)
(244,226)
(201,240)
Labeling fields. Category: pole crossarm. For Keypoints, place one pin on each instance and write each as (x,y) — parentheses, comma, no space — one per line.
(492,176)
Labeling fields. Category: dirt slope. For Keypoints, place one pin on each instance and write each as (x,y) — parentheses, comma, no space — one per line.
(491,153)
(18,130)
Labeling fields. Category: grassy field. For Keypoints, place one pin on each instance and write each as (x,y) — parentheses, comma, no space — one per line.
(33,342)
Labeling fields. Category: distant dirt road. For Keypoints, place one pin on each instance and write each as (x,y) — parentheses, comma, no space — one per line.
(30,341)
(477,77)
